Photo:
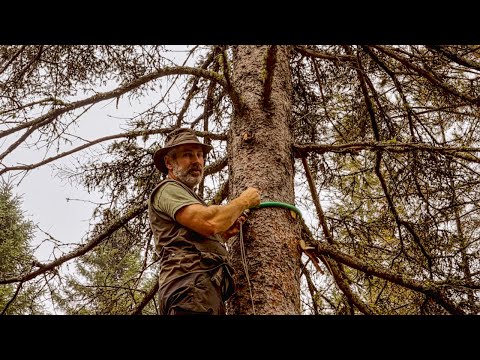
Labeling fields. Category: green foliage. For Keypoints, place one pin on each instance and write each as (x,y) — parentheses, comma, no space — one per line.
(16,256)
(111,279)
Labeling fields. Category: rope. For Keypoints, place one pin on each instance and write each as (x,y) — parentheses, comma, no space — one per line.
(245,268)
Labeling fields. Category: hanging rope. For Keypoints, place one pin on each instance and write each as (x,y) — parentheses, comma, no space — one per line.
(245,268)
(242,246)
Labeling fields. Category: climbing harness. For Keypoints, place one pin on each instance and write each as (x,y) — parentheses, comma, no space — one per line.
(293,210)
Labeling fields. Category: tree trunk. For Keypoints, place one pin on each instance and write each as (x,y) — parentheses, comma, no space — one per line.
(260,155)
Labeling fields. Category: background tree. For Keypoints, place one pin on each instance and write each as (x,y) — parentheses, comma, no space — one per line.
(16,256)
(376,144)
(110,279)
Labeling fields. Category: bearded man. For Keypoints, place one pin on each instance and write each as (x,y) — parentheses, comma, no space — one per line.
(195,273)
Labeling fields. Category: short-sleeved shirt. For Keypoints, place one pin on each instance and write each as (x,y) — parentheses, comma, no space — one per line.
(172,197)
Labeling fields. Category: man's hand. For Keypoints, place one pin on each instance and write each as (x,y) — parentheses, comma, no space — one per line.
(252,196)
(235,228)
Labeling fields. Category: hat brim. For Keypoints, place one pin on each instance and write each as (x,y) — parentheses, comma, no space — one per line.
(160,153)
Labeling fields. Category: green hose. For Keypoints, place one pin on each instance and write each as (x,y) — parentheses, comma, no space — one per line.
(278,204)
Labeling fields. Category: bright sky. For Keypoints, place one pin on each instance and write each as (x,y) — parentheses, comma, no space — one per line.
(44,196)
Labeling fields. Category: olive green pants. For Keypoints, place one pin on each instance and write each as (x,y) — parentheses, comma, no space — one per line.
(192,294)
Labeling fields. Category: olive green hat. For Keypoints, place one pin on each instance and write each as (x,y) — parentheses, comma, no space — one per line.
(177,137)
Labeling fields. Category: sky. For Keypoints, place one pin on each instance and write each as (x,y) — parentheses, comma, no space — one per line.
(44,195)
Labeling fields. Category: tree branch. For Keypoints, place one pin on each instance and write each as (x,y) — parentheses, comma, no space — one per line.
(82,249)
(149,296)
(53,114)
(129,134)
(321,55)
(389,145)
(433,289)
(427,75)
(454,57)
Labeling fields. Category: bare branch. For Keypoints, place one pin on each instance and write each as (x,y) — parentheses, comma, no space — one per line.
(148,297)
(53,114)
(428,75)
(324,56)
(430,288)
(109,230)
(389,145)
(454,57)
(130,134)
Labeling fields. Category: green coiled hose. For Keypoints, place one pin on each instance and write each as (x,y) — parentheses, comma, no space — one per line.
(277,204)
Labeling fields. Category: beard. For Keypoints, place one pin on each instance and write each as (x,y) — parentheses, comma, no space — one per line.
(186,176)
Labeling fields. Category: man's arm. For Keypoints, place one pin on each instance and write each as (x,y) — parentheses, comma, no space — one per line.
(235,228)
(216,219)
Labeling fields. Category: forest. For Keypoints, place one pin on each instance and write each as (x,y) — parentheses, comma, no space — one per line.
(375,145)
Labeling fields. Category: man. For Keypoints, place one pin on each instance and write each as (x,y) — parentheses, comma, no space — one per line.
(195,274)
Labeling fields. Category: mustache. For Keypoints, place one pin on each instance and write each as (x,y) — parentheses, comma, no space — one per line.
(195,168)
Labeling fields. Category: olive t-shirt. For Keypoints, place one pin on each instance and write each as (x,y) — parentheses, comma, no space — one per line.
(174,197)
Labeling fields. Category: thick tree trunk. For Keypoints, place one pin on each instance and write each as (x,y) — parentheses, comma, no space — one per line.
(260,155)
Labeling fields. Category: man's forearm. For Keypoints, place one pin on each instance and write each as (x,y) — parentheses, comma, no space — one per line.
(215,219)
(226,215)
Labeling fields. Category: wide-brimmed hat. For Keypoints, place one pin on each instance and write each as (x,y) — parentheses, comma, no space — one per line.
(177,137)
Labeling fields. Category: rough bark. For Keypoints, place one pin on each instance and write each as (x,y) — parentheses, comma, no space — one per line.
(260,155)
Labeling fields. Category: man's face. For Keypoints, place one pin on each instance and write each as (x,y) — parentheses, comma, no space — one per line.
(187,164)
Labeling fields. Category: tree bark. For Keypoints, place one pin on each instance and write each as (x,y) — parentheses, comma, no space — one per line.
(260,151)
